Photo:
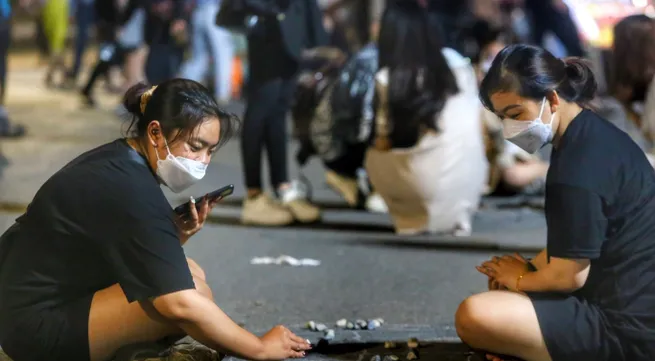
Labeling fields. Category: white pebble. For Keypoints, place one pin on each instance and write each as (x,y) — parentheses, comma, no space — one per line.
(311,325)
(320,327)
(329,334)
(342,323)
(350,326)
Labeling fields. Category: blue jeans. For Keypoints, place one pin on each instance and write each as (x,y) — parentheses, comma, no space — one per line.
(84,17)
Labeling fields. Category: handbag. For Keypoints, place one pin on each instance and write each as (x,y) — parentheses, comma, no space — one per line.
(232,15)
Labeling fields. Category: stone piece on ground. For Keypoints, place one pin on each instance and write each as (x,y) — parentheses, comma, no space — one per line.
(350,326)
(311,325)
(329,334)
(342,323)
(390,345)
(376,358)
(412,343)
(373,324)
(361,324)
(320,327)
(390,358)
(412,355)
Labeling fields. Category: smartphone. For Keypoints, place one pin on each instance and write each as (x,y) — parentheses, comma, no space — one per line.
(220,193)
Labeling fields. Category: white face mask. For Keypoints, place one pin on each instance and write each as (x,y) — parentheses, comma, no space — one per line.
(529,135)
(179,173)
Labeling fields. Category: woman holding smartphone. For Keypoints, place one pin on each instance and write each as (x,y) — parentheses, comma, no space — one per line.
(96,263)
(591,294)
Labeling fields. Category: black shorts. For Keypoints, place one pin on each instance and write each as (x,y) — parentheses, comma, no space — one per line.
(574,329)
(60,333)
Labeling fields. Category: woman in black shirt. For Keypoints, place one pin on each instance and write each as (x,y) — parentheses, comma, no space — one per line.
(592,291)
(100,235)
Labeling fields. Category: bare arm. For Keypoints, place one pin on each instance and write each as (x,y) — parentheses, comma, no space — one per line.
(203,320)
(541,260)
(560,275)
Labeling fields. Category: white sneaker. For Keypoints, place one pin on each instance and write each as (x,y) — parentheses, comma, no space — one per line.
(375,204)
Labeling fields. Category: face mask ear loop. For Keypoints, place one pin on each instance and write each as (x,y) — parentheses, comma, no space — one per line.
(541,112)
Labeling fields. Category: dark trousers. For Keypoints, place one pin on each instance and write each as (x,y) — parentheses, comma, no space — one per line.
(272,82)
(110,55)
(163,62)
(84,15)
(545,17)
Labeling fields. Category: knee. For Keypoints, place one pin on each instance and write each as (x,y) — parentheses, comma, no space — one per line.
(203,288)
(470,319)
(196,270)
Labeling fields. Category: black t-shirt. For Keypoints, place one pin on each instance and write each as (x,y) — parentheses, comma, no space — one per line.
(101,220)
(600,205)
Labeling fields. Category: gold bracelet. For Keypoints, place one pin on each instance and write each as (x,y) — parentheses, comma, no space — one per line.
(518,280)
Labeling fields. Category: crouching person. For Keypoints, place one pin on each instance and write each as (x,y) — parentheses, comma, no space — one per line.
(96,263)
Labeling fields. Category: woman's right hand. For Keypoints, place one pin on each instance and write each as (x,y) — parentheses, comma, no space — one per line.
(280,343)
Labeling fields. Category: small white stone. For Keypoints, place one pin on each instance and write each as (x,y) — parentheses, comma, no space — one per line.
(320,327)
(361,324)
(376,358)
(350,326)
(329,334)
(342,323)
(311,325)
(381,320)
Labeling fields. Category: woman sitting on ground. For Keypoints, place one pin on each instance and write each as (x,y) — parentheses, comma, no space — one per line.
(427,160)
(590,295)
(96,263)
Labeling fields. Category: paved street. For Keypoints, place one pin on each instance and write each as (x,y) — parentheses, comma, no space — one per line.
(365,272)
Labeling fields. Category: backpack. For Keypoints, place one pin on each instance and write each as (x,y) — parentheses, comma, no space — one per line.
(344,115)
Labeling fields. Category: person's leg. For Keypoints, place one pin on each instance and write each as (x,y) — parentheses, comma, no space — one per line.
(6,128)
(115,323)
(261,103)
(196,67)
(502,322)
(563,26)
(290,194)
(83,21)
(107,54)
(222,50)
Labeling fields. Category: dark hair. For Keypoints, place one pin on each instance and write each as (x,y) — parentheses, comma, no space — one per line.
(420,80)
(178,104)
(633,57)
(533,72)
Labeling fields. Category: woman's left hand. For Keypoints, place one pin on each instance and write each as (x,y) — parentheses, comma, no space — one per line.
(191,224)
(505,270)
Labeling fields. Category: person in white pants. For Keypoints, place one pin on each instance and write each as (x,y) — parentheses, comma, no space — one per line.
(207,39)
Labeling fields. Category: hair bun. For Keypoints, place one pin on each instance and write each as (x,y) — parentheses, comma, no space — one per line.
(580,79)
(132,98)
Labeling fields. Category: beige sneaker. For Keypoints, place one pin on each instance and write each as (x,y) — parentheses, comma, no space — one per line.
(346,187)
(295,200)
(263,210)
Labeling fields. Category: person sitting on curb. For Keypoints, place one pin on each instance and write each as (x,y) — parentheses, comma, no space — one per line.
(591,296)
(96,262)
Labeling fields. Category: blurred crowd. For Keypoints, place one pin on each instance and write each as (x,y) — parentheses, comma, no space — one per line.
(383,92)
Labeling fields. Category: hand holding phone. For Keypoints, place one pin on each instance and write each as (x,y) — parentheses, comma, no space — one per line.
(183,209)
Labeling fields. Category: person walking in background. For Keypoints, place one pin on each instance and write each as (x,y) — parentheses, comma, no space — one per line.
(210,41)
(111,16)
(275,46)
(554,16)
(55,23)
(166,34)
(84,18)
(7,129)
